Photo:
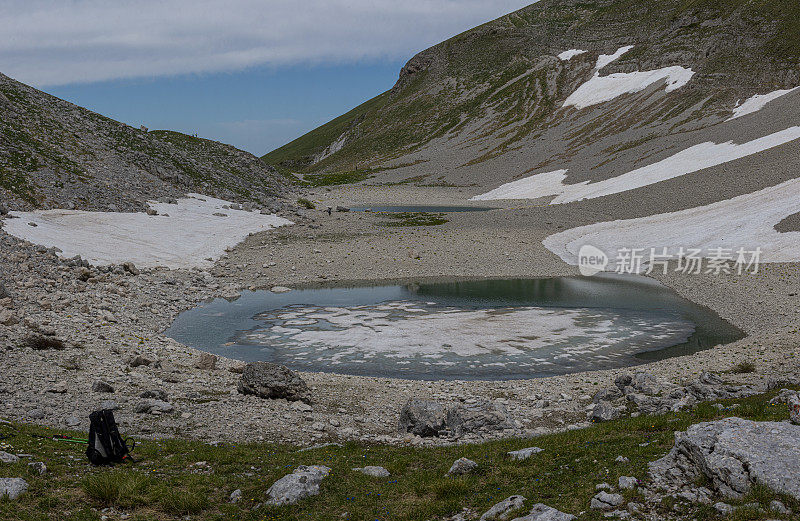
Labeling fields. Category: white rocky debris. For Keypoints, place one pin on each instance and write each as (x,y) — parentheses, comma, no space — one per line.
(12,488)
(193,232)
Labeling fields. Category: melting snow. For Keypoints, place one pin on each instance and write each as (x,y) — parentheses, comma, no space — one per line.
(693,159)
(605,59)
(184,235)
(525,338)
(758,102)
(568,55)
(600,89)
(746,221)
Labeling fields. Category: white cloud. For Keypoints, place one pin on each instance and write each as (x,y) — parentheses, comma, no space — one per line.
(56,42)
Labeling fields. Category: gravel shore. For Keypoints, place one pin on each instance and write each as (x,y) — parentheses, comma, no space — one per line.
(106,319)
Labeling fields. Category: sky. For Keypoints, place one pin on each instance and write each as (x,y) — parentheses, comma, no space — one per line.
(252,73)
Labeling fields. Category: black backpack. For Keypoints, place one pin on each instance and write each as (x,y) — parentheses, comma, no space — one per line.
(106,446)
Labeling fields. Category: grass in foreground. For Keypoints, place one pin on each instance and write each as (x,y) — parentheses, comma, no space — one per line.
(173,479)
(414,219)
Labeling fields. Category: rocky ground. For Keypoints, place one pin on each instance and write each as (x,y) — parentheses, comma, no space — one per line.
(67,326)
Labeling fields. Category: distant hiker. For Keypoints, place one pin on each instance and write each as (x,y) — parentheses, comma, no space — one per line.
(329,210)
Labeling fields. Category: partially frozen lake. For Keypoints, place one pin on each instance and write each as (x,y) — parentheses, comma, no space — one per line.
(481,329)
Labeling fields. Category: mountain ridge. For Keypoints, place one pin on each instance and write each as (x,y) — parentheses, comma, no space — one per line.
(56,154)
(501,83)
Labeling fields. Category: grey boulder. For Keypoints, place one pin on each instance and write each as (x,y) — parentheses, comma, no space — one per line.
(603,412)
(462,466)
(605,501)
(374,471)
(733,455)
(542,512)
(154,406)
(101,386)
(273,381)
(422,417)
(302,483)
(503,510)
(12,487)
(486,416)
(794,408)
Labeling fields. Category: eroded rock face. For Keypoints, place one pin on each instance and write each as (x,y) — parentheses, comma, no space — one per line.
(422,417)
(302,483)
(734,454)
(273,381)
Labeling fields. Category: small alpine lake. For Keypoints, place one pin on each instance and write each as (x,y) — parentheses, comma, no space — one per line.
(459,330)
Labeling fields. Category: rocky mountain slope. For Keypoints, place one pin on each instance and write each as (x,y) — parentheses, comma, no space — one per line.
(56,154)
(498,101)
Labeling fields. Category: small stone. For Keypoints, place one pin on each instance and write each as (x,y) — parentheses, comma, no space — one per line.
(130,268)
(794,408)
(462,466)
(155,394)
(109,404)
(779,508)
(12,487)
(723,509)
(37,467)
(36,414)
(6,457)
(606,501)
(206,362)
(523,454)
(101,386)
(503,510)
(154,406)
(236,496)
(139,360)
(280,289)
(622,459)
(374,471)
(627,482)
(542,512)
(72,421)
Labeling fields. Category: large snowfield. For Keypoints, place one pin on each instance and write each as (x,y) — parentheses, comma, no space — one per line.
(600,89)
(692,159)
(747,221)
(183,235)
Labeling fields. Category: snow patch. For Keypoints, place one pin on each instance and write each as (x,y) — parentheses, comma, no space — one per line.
(746,221)
(605,59)
(693,159)
(757,102)
(600,89)
(568,55)
(184,235)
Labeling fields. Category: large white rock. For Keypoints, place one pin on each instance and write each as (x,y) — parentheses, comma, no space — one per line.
(734,454)
(302,483)
(542,512)
(502,510)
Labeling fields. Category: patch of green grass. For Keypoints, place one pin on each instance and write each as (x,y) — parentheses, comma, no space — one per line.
(415,219)
(306,203)
(166,483)
(123,488)
(744,367)
(337,178)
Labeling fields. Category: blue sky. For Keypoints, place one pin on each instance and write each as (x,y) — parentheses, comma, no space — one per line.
(253,73)
(256,110)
